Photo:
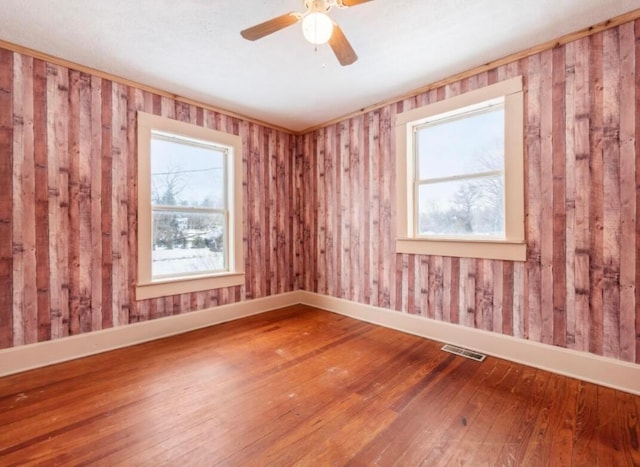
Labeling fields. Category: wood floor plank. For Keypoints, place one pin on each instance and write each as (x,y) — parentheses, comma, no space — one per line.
(507,438)
(302,386)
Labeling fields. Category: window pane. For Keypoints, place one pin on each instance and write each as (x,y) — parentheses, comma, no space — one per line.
(462,207)
(185,173)
(187,243)
(467,144)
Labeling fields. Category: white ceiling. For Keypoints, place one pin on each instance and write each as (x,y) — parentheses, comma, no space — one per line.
(193,47)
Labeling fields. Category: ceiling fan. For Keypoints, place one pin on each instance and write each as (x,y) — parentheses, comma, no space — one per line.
(317,27)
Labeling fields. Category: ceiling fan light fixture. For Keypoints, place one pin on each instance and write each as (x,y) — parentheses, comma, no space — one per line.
(317,28)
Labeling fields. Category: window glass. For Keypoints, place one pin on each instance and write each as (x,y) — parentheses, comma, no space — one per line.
(462,207)
(188,199)
(187,243)
(471,142)
(460,176)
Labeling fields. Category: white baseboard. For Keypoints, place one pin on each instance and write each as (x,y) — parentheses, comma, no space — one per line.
(27,357)
(604,371)
(581,365)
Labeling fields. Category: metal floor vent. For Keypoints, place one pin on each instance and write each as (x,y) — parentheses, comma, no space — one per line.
(478,357)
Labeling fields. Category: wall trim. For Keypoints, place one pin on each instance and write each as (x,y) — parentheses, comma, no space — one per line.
(572,36)
(616,21)
(616,374)
(128,82)
(30,356)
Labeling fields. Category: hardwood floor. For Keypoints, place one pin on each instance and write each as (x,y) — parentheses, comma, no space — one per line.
(301,386)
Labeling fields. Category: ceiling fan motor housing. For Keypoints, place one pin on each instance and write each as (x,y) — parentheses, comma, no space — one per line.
(318,6)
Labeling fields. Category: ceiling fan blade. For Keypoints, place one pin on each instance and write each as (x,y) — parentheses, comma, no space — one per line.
(349,3)
(268,27)
(341,47)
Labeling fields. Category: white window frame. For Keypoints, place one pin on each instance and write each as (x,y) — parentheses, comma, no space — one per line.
(512,246)
(147,286)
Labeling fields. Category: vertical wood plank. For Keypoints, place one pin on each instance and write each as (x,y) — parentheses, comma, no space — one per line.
(57,112)
(323,220)
(84,173)
(497,274)
(596,193)
(477,297)
(271,212)
(306,245)
(521,270)
(41,162)
(374,206)
(532,312)
(463,308)
(425,288)
(135,102)
(419,288)
(312,229)
(358,218)
(637,165)
(346,186)
(285,217)
(74,202)
(581,227)
(611,194)
(16,203)
(268,169)
(248,193)
(542,321)
(120,214)
(519,291)
(388,257)
(506,302)
(559,317)
(454,290)
(627,183)
(254,228)
(106,205)
(570,194)
(487,297)
(300,166)
(25,320)
(337,153)
(97,174)
(447,286)
(332,221)
(6,196)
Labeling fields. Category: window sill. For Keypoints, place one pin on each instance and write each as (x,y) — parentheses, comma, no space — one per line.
(484,249)
(174,286)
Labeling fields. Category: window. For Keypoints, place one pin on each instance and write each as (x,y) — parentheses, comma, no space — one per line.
(189,208)
(460,175)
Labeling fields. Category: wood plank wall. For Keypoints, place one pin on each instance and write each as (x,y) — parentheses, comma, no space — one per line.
(319,208)
(68,203)
(579,287)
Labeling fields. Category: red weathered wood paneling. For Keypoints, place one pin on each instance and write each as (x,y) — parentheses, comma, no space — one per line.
(319,211)
(579,285)
(68,206)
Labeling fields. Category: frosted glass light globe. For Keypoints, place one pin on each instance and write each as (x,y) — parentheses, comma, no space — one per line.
(317,28)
